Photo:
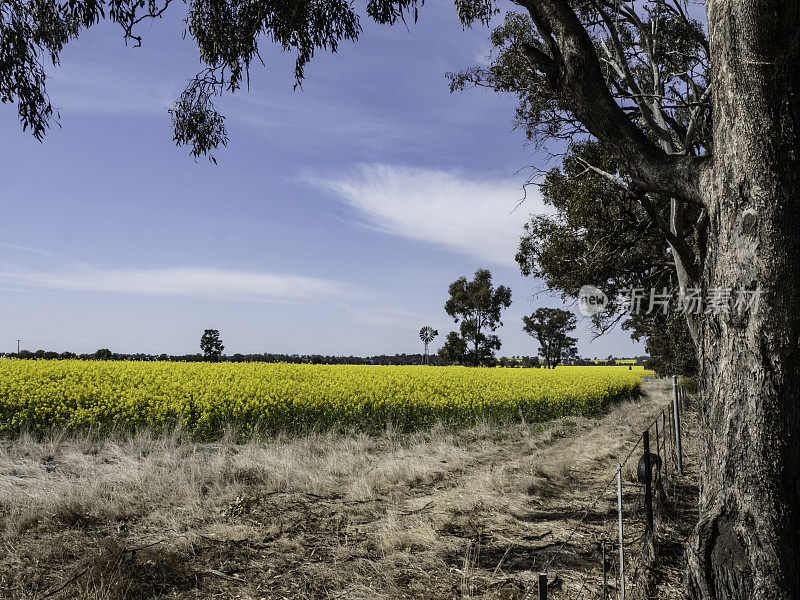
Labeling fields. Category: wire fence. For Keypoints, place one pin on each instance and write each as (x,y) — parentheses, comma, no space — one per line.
(656,459)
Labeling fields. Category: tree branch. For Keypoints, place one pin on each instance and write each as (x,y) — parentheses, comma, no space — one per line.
(605,174)
(681,250)
(648,111)
(695,120)
(580,81)
(541,61)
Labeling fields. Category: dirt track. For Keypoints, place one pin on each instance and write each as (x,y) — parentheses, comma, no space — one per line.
(437,515)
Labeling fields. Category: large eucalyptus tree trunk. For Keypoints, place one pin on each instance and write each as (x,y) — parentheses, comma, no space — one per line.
(747,545)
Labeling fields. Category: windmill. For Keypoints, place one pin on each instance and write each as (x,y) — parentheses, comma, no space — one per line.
(426,334)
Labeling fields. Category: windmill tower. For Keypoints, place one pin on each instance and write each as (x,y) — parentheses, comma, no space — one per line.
(426,334)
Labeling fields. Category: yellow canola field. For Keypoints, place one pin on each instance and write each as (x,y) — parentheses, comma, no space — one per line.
(205,398)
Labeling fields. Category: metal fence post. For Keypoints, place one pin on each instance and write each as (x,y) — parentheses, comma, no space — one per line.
(676,409)
(658,449)
(664,431)
(648,483)
(605,572)
(671,429)
(621,548)
(543,586)
(658,442)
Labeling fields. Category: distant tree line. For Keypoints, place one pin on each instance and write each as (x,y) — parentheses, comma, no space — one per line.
(308,359)
(106,354)
(314,359)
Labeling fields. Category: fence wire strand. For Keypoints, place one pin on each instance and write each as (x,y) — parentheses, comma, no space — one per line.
(591,507)
(558,551)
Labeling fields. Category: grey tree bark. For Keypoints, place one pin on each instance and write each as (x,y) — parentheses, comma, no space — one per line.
(747,543)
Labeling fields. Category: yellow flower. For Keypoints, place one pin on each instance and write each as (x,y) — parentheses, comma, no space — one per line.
(205,398)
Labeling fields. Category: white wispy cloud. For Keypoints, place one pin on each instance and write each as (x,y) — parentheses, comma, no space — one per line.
(385,316)
(29,250)
(333,122)
(89,88)
(482,218)
(185,281)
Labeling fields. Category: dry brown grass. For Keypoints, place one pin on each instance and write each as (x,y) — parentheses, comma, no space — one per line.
(435,514)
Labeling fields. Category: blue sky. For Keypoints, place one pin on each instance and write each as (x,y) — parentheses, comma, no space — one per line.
(333,223)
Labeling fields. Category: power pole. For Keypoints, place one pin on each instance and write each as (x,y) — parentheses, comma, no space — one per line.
(18,341)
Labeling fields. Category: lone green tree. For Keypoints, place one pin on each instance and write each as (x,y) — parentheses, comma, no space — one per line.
(551,327)
(211,345)
(706,129)
(477,305)
(453,351)
(103,354)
